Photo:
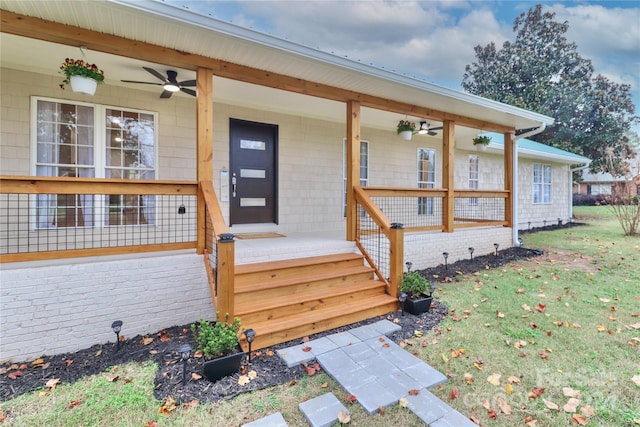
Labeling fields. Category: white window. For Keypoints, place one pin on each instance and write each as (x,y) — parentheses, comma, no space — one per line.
(364,170)
(73,139)
(474,177)
(426,178)
(541,183)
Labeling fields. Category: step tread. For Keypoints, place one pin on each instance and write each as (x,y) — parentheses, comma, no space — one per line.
(295,262)
(307,278)
(306,296)
(275,325)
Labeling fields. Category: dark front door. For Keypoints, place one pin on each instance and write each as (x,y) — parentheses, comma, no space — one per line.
(253,157)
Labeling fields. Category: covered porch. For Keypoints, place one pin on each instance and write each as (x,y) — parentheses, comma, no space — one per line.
(385,222)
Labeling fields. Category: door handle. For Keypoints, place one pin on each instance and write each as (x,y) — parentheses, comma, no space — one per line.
(233,185)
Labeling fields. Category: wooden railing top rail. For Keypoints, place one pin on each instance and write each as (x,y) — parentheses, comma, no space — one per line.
(64,185)
(213,208)
(372,209)
(432,192)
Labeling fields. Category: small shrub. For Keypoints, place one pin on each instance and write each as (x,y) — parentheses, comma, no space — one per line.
(414,284)
(216,339)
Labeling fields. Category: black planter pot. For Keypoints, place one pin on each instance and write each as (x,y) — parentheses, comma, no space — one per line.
(417,306)
(224,366)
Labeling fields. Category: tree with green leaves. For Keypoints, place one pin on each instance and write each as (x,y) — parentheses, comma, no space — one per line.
(541,71)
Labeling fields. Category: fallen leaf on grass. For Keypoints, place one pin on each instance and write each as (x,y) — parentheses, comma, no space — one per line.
(492,414)
(587,411)
(499,314)
(75,403)
(494,379)
(381,410)
(504,406)
(579,419)
(551,405)
(352,399)
(530,421)
(196,376)
(536,392)
(243,380)
(69,362)
(403,402)
(191,404)
(508,388)
(636,379)
(571,405)
(468,378)
(165,338)
(454,393)
(344,417)
(168,406)
(292,383)
(520,343)
(513,379)
(147,340)
(543,355)
(569,392)
(151,423)
(252,375)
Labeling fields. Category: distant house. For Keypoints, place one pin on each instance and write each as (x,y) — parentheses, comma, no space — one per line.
(605,184)
(271,186)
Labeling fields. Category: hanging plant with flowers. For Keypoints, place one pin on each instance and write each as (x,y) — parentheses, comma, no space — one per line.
(406,125)
(78,67)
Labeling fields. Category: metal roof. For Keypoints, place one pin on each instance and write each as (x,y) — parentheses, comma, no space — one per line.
(536,150)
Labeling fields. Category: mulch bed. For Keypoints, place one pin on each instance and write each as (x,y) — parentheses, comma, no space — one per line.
(20,378)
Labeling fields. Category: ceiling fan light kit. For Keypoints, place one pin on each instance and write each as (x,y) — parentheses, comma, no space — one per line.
(170,83)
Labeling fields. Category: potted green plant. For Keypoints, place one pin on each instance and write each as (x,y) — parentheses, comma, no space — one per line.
(481,142)
(219,343)
(419,293)
(406,129)
(81,76)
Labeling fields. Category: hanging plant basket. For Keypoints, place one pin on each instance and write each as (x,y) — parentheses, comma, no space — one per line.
(84,85)
(406,135)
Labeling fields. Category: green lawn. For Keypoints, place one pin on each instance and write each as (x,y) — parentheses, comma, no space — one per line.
(519,342)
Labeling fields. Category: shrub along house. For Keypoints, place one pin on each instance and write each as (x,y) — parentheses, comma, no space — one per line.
(145,205)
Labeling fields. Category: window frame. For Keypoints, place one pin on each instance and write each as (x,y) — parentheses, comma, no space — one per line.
(99,168)
(425,204)
(474,177)
(542,188)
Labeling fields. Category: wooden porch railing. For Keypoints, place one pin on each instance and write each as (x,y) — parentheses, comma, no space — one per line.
(60,217)
(221,246)
(385,214)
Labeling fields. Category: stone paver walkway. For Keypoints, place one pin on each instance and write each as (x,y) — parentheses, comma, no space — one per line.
(377,371)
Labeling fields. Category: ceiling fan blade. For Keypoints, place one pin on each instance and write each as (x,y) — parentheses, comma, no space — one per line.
(155,73)
(436,128)
(166,94)
(144,83)
(189,91)
(187,83)
(432,133)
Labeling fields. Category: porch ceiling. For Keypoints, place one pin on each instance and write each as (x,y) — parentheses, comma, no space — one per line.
(171,27)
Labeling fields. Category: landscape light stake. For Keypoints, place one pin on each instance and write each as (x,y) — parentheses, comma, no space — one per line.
(445,255)
(496,245)
(250,335)
(521,242)
(471,252)
(117,327)
(409,264)
(185,352)
(402,297)
(432,289)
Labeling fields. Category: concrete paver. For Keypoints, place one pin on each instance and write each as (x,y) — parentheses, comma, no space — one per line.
(322,411)
(273,420)
(377,371)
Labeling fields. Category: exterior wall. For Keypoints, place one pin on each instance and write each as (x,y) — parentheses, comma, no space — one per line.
(50,308)
(539,215)
(425,250)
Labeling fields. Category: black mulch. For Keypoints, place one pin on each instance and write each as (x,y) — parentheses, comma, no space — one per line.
(18,378)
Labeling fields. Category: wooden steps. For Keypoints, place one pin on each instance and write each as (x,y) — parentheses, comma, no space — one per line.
(284,300)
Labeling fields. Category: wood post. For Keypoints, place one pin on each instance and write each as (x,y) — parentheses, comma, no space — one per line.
(226,276)
(353,165)
(396,258)
(448,155)
(204,149)
(509,183)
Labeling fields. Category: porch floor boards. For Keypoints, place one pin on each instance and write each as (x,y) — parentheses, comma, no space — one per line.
(287,299)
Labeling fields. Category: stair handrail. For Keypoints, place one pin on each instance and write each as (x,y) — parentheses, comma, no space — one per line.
(221,281)
(395,235)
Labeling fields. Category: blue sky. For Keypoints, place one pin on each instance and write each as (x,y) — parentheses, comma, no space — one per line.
(434,40)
